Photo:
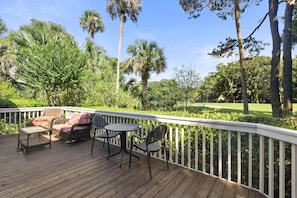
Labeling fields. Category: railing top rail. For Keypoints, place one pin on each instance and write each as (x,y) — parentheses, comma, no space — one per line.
(282,134)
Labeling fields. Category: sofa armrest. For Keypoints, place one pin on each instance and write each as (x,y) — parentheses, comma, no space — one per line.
(59,121)
(80,124)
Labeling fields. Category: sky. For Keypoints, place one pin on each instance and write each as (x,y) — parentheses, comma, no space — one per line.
(184,41)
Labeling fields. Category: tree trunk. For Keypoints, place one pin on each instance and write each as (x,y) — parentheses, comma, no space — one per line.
(241,58)
(119,58)
(275,60)
(144,81)
(287,58)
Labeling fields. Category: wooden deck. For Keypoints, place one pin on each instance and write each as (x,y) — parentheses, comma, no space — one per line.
(69,170)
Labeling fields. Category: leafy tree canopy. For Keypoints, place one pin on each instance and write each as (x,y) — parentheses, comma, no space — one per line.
(49,62)
(92,22)
(225,8)
(3,27)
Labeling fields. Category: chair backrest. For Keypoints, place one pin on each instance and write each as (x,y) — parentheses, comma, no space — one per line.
(56,112)
(99,122)
(156,134)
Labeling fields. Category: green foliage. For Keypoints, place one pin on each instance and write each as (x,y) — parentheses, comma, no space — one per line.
(146,58)
(50,63)
(3,27)
(163,95)
(130,9)
(54,70)
(7,90)
(100,85)
(92,22)
(29,103)
(5,103)
(187,81)
(226,81)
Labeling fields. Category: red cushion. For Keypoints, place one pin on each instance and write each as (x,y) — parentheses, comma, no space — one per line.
(41,121)
(74,118)
(86,117)
(66,128)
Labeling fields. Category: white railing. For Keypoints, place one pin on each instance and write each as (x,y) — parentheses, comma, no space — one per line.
(258,156)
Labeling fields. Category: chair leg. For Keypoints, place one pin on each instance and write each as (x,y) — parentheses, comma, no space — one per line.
(107,146)
(130,157)
(123,153)
(149,163)
(166,155)
(93,141)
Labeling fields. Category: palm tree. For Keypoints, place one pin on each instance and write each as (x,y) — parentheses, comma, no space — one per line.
(122,9)
(147,57)
(92,22)
(3,27)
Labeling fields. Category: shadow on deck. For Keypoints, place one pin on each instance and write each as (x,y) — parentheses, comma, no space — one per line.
(69,170)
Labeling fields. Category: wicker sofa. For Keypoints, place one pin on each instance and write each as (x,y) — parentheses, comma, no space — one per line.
(77,127)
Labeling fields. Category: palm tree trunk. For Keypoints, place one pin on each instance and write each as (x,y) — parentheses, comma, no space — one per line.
(241,58)
(287,57)
(144,92)
(119,58)
(275,60)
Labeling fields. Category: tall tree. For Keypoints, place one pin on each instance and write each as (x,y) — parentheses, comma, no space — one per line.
(92,22)
(187,80)
(238,11)
(146,58)
(287,57)
(275,60)
(49,62)
(226,8)
(3,29)
(123,9)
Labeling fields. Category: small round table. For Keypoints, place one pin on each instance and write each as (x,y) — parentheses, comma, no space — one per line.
(123,128)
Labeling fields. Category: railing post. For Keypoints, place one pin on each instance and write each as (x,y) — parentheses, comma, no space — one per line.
(250,169)
(294,171)
(176,145)
(211,152)
(196,149)
(261,165)
(220,164)
(271,168)
(282,172)
(239,157)
(229,156)
(189,148)
(203,152)
(182,145)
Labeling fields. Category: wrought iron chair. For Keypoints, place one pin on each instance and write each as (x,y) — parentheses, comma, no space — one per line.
(98,123)
(153,142)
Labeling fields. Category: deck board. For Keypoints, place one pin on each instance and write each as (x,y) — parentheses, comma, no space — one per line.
(69,170)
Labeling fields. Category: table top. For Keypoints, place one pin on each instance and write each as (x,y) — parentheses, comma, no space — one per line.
(122,127)
(33,129)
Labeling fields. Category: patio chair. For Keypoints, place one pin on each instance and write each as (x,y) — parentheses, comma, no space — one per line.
(154,141)
(47,117)
(98,123)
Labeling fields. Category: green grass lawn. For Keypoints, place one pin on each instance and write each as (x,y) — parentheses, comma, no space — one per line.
(254,109)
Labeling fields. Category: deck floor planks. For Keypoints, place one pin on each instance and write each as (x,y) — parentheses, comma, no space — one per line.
(218,188)
(69,170)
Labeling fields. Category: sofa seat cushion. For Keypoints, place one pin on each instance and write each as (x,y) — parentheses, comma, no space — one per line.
(41,121)
(66,128)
